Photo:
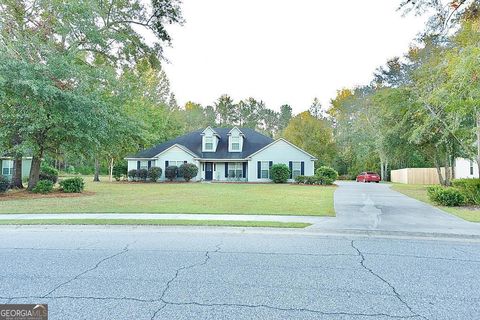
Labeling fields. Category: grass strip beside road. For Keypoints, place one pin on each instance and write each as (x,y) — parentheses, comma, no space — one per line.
(419,192)
(157,222)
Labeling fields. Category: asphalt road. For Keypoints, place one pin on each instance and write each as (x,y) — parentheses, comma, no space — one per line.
(211,273)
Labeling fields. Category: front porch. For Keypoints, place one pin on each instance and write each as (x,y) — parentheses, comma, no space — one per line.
(223,170)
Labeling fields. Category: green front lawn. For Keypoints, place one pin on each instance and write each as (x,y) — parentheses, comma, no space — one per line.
(419,192)
(215,198)
(157,222)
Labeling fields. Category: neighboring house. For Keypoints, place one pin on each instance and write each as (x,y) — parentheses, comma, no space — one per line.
(226,154)
(6,164)
(465,168)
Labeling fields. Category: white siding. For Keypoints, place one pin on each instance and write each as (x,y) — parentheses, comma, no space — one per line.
(462,168)
(279,152)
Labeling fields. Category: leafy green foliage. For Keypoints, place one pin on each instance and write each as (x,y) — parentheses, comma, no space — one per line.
(189,171)
(279,173)
(120,170)
(142,174)
(470,188)
(154,173)
(326,173)
(72,185)
(132,174)
(171,172)
(43,186)
(4,184)
(48,173)
(446,196)
(300,179)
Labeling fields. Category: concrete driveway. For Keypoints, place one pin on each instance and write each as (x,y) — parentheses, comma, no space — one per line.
(366,206)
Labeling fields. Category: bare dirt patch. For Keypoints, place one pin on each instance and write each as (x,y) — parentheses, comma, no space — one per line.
(24,195)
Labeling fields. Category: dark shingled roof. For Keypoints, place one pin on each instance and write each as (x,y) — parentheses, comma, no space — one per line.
(252,142)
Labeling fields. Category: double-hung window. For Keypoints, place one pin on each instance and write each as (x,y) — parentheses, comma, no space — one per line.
(235,170)
(144,165)
(265,170)
(208,144)
(7,167)
(296,169)
(175,163)
(235,143)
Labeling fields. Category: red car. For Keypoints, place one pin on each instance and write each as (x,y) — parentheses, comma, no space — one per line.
(368,177)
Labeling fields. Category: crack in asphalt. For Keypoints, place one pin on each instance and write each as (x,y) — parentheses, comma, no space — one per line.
(177,273)
(394,290)
(124,250)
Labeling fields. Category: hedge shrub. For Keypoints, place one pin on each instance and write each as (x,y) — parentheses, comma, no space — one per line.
(119,171)
(189,171)
(48,173)
(327,173)
(4,184)
(43,186)
(312,180)
(470,188)
(142,174)
(279,173)
(72,185)
(154,173)
(300,179)
(171,172)
(446,196)
(132,174)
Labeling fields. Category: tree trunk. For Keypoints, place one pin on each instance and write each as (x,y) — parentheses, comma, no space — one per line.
(96,178)
(111,170)
(447,170)
(35,171)
(439,171)
(17,173)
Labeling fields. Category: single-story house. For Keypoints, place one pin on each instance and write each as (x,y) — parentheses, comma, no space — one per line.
(465,168)
(226,154)
(7,165)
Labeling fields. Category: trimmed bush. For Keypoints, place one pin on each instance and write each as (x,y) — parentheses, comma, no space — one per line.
(72,185)
(70,170)
(142,174)
(132,174)
(48,173)
(300,179)
(171,172)
(119,171)
(327,174)
(470,188)
(4,184)
(446,196)
(189,171)
(312,180)
(154,173)
(43,186)
(279,173)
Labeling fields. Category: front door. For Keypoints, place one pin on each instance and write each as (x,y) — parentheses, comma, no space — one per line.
(208,171)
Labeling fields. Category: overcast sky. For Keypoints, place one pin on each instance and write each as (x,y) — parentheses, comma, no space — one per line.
(283,51)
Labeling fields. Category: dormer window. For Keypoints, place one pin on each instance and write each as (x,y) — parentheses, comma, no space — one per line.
(208,143)
(235,140)
(235,143)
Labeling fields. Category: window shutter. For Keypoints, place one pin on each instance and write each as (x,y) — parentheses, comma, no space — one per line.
(138,165)
(303,169)
(226,169)
(290,165)
(244,169)
(166,164)
(259,170)
(149,164)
